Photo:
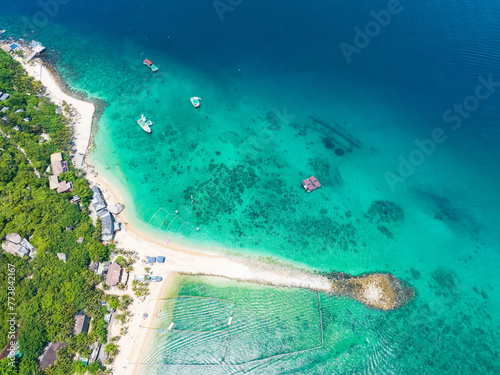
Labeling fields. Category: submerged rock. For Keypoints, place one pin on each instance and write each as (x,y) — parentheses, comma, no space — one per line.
(384,212)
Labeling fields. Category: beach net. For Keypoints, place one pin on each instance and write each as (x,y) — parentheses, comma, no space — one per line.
(210,331)
(167,224)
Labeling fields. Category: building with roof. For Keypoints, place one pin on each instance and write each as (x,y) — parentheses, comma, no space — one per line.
(114,274)
(160,259)
(151,259)
(98,202)
(65,187)
(58,164)
(108,228)
(50,356)
(53,182)
(93,267)
(103,268)
(4,96)
(82,323)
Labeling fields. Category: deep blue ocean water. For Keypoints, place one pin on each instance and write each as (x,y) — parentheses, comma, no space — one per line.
(264,71)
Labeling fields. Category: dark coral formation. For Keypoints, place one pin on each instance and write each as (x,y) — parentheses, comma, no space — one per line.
(339,151)
(386,215)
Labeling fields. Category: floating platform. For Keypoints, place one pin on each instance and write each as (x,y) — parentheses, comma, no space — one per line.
(310,184)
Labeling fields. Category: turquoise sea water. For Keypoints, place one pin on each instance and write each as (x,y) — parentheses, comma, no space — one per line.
(276,91)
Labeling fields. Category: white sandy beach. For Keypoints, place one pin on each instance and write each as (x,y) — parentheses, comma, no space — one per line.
(178,260)
(83,127)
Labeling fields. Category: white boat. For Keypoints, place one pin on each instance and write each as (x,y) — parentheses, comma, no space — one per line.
(145,124)
(195,101)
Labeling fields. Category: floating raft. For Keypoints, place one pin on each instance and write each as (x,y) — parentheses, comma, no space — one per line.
(310,184)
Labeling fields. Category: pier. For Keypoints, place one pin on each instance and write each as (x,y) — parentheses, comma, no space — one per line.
(36,48)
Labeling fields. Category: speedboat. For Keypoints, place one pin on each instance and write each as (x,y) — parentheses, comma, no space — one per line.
(145,124)
(195,101)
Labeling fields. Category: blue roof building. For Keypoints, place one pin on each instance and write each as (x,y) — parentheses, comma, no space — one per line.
(152,260)
(160,259)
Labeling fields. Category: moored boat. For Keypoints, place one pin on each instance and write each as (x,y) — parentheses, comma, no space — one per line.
(144,124)
(149,64)
(195,101)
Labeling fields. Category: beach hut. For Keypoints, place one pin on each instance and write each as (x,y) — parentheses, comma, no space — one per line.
(114,273)
(160,259)
(50,355)
(81,323)
(151,259)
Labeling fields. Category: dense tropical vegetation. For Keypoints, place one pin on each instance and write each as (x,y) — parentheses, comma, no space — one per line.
(48,291)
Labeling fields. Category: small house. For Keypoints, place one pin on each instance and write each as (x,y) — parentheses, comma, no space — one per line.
(4,96)
(65,187)
(103,268)
(108,228)
(82,323)
(93,266)
(114,274)
(160,259)
(151,259)
(50,355)
(58,164)
(53,182)
(99,203)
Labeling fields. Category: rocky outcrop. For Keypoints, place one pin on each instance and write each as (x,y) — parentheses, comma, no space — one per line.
(378,290)
(17,245)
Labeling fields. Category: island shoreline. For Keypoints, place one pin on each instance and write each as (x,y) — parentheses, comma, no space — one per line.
(180,259)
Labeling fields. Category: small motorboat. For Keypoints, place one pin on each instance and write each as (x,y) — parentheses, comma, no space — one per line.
(195,101)
(145,124)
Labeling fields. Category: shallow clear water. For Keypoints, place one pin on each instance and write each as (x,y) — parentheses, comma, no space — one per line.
(276,91)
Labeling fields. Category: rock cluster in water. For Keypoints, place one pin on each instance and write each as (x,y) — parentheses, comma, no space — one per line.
(378,290)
